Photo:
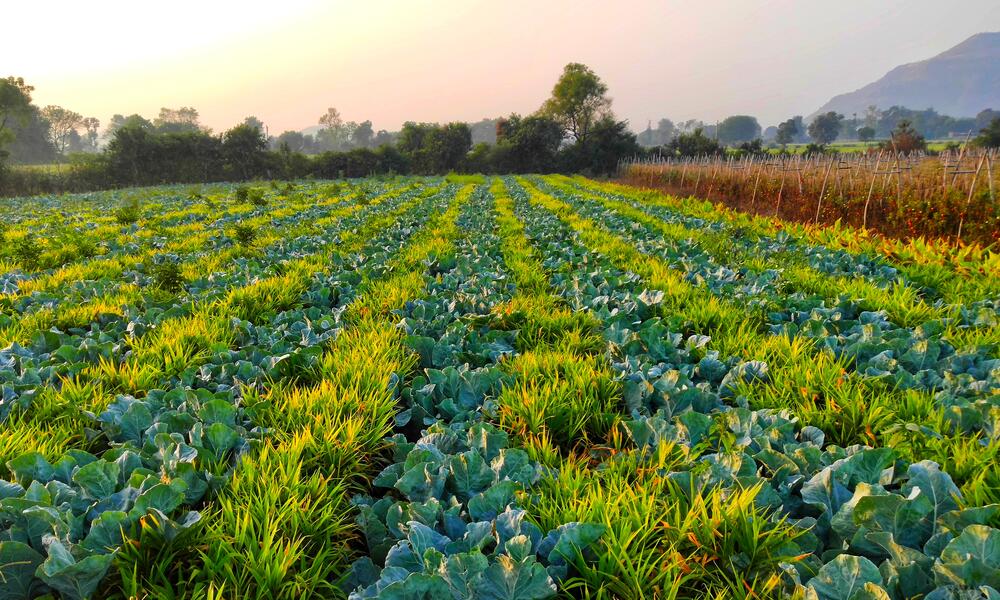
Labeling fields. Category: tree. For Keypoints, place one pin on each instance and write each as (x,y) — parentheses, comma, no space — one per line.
(872,116)
(31,143)
(62,123)
(385,138)
(527,144)
(331,119)
(647,139)
(905,139)
(138,156)
(15,107)
(254,122)
(434,149)
(608,142)
(664,132)
(244,149)
(181,120)
(787,130)
(738,128)
(133,120)
(484,131)
(754,147)
(866,133)
(75,143)
(579,99)
(690,126)
(695,144)
(986,117)
(826,127)
(296,141)
(989,136)
(92,126)
(363,134)
(335,135)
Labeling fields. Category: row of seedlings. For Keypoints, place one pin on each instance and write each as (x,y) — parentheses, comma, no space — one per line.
(722,499)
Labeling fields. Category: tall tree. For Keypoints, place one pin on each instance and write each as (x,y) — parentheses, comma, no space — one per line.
(92,126)
(31,143)
(826,127)
(244,148)
(872,115)
(787,130)
(435,149)
(905,138)
(608,142)
(665,131)
(296,141)
(62,124)
(695,144)
(738,128)
(579,99)
(363,134)
(15,105)
(254,122)
(335,134)
(385,138)
(660,136)
(989,136)
(180,120)
(527,144)
(986,117)
(133,120)
(331,119)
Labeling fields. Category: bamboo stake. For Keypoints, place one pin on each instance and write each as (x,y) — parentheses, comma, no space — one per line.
(819,203)
(753,198)
(871,188)
(989,173)
(777,207)
(968,201)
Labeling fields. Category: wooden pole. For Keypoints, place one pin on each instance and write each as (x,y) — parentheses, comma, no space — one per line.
(781,189)
(753,197)
(871,188)
(968,201)
(989,173)
(822,191)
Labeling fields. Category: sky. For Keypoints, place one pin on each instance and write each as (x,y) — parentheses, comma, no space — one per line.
(392,61)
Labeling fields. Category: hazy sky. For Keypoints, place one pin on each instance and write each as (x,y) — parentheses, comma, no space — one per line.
(392,61)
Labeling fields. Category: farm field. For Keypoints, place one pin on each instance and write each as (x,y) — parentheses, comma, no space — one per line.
(857,146)
(488,387)
(950,196)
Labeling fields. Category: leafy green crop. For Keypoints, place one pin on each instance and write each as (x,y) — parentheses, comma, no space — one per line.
(474,387)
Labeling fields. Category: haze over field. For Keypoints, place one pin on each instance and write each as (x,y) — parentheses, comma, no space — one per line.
(392,61)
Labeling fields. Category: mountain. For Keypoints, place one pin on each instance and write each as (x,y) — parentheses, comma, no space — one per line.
(959,82)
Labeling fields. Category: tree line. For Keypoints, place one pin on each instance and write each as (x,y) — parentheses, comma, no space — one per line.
(575,130)
(897,124)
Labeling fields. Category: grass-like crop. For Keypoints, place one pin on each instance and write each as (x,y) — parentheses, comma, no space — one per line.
(482,387)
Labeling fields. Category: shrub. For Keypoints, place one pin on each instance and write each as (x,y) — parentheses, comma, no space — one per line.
(27,252)
(129,213)
(167,274)
(245,234)
(242,193)
(256,197)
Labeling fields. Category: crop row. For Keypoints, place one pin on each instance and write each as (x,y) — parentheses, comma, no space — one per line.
(420,389)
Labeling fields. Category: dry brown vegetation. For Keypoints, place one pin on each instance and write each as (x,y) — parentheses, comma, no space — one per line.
(950,195)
